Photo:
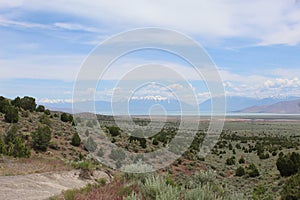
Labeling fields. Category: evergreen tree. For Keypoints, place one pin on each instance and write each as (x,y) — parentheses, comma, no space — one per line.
(41,138)
(11,114)
(76,140)
(3,103)
(40,108)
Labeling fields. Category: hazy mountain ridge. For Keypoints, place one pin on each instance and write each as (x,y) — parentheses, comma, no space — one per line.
(137,106)
(283,107)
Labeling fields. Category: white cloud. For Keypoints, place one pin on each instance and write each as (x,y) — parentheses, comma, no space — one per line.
(272,87)
(55,67)
(55,26)
(52,101)
(150,97)
(283,83)
(8,22)
(268,21)
(73,26)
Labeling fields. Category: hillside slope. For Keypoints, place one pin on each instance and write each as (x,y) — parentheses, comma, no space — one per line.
(283,107)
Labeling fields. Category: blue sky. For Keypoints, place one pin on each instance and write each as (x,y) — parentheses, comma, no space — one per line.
(255,44)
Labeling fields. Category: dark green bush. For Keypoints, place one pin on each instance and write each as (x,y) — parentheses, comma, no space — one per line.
(76,140)
(16,102)
(155,142)
(19,149)
(41,138)
(230,161)
(240,171)
(47,112)
(238,146)
(252,170)
(28,103)
(66,117)
(264,156)
(288,164)
(242,160)
(11,114)
(40,108)
(13,145)
(142,141)
(114,131)
(230,146)
(3,103)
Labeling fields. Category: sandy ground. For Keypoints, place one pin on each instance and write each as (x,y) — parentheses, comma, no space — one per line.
(41,186)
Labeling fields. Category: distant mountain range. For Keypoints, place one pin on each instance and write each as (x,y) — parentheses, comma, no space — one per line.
(283,107)
(142,107)
(237,103)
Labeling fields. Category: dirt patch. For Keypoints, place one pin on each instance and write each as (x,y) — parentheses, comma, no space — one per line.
(42,186)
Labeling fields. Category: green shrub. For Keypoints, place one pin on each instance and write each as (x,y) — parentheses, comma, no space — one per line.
(66,117)
(102,181)
(84,165)
(230,161)
(3,147)
(240,171)
(230,146)
(242,160)
(3,103)
(13,145)
(238,146)
(155,187)
(75,140)
(19,149)
(252,170)
(69,194)
(260,192)
(114,131)
(132,196)
(263,156)
(138,169)
(44,119)
(28,103)
(11,134)
(142,141)
(201,178)
(288,164)
(40,108)
(202,193)
(155,142)
(16,102)
(47,112)
(291,189)
(11,114)
(41,138)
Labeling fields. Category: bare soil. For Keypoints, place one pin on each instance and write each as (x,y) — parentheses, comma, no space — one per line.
(42,185)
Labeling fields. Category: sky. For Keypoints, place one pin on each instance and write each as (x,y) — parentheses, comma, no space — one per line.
(255,45)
